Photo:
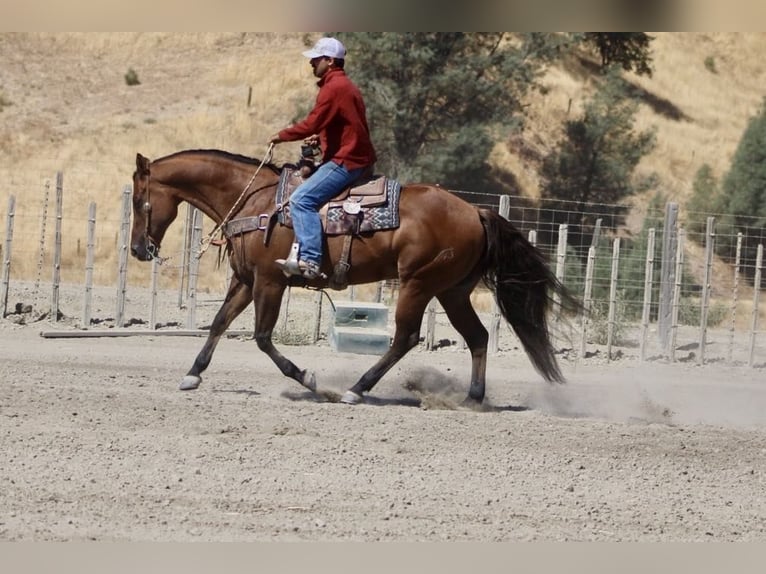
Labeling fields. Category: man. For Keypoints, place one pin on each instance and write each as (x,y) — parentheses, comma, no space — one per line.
(338,123)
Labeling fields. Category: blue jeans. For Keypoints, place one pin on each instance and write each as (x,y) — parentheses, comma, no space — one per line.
(308,198)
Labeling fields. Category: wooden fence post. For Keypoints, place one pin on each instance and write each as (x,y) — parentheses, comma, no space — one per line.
(613,297)
(56,281)
(430,325)
(756,297)
(648,279)
(196,237)
(89,257)
(122,265)
(667,271)
(735,296)
(676,301)
(596,233)
(705,301)
(587,300)
(285,309)
(494,327)
(6,279)
(318,318)
(185,254)
(561,261)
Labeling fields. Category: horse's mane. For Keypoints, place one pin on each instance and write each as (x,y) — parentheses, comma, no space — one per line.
(225,155)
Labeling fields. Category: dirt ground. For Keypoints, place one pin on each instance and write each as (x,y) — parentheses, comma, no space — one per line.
(99,444)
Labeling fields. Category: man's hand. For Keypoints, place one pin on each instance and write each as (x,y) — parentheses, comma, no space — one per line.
(312,140)
(275,139)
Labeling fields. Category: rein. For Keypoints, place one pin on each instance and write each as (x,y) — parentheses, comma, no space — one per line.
(206,241)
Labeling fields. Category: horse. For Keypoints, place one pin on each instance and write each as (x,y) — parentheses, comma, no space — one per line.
(442,248)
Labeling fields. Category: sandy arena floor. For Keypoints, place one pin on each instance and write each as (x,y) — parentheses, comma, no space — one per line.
(99,444)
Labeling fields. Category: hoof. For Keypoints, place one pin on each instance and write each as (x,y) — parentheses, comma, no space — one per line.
(190,382)
(310,381)
(472,404)
(351,398)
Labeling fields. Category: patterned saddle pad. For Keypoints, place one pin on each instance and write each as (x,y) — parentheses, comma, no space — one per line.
(365,207)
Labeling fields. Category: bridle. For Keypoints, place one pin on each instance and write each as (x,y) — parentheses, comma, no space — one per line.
(151,246)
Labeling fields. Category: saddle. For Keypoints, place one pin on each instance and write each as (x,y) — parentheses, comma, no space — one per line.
(369,204)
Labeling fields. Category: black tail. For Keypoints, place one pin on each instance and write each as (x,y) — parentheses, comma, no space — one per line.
(524,287)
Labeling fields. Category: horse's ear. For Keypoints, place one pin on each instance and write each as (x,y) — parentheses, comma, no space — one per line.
(142,163)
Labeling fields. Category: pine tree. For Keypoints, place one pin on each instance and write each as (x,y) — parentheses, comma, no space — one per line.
(744,186)
(744,193)
(438,101)
(592,169)
(630,50)
(704,201)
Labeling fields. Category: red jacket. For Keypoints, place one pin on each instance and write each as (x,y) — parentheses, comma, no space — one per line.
(339,118)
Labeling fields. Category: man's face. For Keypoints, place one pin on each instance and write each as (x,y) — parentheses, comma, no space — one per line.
(320,65)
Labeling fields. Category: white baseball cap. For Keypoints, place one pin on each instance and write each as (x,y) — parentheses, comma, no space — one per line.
(327,46)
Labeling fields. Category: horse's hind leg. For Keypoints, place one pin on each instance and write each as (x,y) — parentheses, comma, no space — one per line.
(238,297)
(267,297)
(409,316)
(457,304)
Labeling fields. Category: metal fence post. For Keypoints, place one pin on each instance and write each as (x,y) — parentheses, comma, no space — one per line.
(43,223)
(56,281)
(153,302)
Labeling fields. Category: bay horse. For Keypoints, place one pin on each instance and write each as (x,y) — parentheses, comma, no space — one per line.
(442,248)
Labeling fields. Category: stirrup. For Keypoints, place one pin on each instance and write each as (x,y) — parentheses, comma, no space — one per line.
(290,265)
(305,269)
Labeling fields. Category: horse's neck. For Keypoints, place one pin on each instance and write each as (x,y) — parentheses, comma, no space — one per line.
(213,189)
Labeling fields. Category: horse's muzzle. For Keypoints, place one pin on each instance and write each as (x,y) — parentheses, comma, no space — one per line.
(140,254)
(143,251)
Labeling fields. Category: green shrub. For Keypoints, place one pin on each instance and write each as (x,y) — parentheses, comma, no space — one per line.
(598,328)
(689,311)
(710,65)
(131,78)
(4,101)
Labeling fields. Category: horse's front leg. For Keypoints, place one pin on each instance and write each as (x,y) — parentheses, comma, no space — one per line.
(238,297)
(267,298)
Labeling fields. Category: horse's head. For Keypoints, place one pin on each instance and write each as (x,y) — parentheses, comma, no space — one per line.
(154,208)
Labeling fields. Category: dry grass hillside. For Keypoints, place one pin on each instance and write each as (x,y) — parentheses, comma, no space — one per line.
(65,105)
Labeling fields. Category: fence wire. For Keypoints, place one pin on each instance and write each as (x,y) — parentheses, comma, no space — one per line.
(712,297)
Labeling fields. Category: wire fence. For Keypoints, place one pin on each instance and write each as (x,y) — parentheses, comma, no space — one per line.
(657,281)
